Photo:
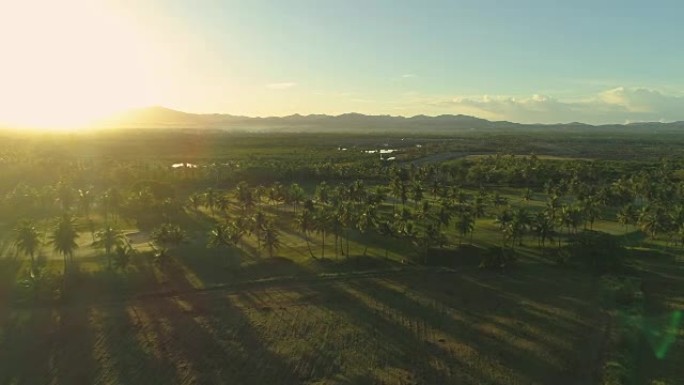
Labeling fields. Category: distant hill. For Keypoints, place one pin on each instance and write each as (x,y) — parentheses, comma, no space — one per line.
(161,117)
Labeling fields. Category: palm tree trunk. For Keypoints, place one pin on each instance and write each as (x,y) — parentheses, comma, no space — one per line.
(336,239)
(323,245)
(308,244)
(347,240)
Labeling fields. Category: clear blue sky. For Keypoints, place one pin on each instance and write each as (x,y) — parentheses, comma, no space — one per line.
(530,61)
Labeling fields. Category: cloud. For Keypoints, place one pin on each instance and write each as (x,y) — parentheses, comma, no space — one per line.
(408,76)
(617,105)
(281,86)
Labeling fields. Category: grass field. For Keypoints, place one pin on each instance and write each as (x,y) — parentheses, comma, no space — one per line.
(403,326)
(375,316)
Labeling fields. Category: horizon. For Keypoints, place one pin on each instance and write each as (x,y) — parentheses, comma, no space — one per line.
(161,107)
(533,63)
(128,117)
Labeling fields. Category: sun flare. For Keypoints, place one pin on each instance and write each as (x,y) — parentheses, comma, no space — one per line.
(70,63)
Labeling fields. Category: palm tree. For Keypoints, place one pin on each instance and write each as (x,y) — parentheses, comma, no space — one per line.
(111,201)
(296,195)
(245,196)
(63,238)
(223,204)
(626,215)
(109,238)
(465,225)
(527,196)
(367,220)
(590,210)
(653,219)
(416,191)
(499,200)
(305,223)
(571,217)
(431,236)
(504,219)
(544,228)
(399,188)
(226,235)
(196,200)
(271,238)
(520,224)
(65,194)
(27,240)
(164,237)
(275,193)
(480,207)
(210,199)
(444,215)
(85,201)
(346,216)
(322,219)
(258,223)
(122,255)
(387,229)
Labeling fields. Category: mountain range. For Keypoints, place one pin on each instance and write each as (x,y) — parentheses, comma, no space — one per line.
(161,117)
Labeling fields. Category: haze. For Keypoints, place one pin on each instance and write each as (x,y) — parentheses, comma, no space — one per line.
(69,62)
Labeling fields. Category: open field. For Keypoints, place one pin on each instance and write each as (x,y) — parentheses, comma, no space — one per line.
(381,288)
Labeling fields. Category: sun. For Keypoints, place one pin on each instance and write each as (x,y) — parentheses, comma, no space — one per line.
(65,63)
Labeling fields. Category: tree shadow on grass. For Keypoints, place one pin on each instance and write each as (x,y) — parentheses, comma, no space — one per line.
(207,339)
(27,339)
(506,351)
(392,343)
(517,310)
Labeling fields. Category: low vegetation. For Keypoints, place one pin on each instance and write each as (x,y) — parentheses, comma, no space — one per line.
(216,258)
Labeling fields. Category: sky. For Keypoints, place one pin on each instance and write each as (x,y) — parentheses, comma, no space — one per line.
(530,61)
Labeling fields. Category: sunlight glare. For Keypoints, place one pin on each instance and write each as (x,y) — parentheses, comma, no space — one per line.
(66,63)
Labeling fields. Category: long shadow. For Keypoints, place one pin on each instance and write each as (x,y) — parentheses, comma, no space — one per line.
(498,353)
(27,341)
(128,350)
(490,303)
(210,340)
(425,361)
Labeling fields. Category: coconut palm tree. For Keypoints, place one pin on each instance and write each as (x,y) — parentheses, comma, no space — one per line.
(627,215)
(210,199)
(65,195)
(276,193)
(108,239)
(85,202)
(322,224)
(271,238)
(465,225)
(63,238)
(521,222)
(296,196)
(245,196)
(164,237)
(223,204)
(653,220)
(367,220)
(386,228)
(111,201)
(305,224)
(122,255)
(225,235)
(196,200)
(27,241)
(430,237)
(543,226)
(416,191)
(504,219)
